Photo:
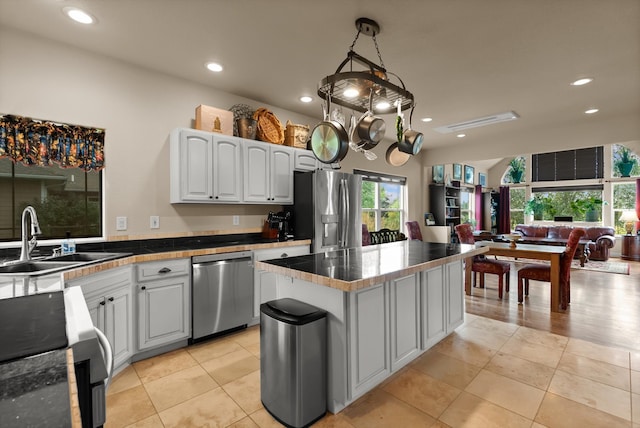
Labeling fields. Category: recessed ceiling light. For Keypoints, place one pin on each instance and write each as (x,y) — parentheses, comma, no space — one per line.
(306,99)
(592,111)
(461,135)
(214,66)
(426,119)
(581,82)
(79,15)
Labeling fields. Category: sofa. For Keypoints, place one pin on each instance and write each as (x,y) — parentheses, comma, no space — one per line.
(384,236)
(602,238)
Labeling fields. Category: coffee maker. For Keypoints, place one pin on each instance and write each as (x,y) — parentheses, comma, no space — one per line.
(280,222)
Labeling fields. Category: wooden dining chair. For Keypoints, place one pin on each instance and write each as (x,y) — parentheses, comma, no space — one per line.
(541,272)
(481,264)
(413,229)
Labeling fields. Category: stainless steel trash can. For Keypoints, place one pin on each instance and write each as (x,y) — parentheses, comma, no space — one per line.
(293,361)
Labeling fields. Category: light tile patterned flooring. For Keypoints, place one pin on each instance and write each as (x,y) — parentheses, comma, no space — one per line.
(486,374)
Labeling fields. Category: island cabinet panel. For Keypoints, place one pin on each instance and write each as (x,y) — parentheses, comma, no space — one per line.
(404,320)
(455,295)
(433,303)
(368,339)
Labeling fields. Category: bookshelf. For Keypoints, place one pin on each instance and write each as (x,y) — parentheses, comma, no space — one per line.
(444,203)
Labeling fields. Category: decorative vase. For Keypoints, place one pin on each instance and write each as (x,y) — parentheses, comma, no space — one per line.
(625,168)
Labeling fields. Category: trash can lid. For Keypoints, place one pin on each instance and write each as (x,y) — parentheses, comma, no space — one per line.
(292,311)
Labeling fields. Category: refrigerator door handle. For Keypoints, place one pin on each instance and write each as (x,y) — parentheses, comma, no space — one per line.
(344,226)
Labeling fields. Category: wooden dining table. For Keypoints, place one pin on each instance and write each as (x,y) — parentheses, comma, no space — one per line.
(552,253)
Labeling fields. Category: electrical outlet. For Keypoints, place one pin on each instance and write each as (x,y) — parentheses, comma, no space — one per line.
(121,223)
(236,220)
(154,222)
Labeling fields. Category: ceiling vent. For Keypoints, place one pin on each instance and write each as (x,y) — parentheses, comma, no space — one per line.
(480,121)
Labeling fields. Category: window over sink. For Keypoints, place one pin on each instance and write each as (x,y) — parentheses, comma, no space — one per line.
(66,200)
(383,201)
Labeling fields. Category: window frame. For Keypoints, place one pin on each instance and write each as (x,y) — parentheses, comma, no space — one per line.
(380,179)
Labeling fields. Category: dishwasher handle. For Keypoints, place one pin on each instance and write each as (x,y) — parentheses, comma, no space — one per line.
(236,256)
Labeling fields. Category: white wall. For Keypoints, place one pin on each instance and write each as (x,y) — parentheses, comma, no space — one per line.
(138,108)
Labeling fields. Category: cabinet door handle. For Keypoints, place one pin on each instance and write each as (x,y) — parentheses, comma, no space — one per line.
(164,270)
(111,299)
(283,255)
(144,287)
(103,302)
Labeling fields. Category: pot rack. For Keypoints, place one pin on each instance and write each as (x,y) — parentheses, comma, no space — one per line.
(372,81)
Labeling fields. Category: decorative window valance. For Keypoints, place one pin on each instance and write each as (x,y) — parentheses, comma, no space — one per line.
(43,143)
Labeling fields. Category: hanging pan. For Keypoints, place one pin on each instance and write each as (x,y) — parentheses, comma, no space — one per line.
(370,129)
(329,140)
(411,141)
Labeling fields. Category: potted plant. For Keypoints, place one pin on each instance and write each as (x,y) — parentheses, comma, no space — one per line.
(516,169)
(536,206)
(589,207)
(624,161)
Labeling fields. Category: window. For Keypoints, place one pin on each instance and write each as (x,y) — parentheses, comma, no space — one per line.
(568,165)
(625,162)
(383,201)
(65,200)
(581,203)
(624,198)
(516,206)
(466,206)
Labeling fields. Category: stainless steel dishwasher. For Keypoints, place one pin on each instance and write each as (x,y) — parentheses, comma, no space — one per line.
(222,297)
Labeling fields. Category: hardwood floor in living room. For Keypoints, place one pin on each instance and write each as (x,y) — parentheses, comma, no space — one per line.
(605,307)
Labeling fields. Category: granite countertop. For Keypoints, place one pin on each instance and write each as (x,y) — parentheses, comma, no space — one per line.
(150,254)
(357,268)
(34,391)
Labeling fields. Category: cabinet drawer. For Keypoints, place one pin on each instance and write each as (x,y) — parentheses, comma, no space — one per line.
(163,269)
(276,253)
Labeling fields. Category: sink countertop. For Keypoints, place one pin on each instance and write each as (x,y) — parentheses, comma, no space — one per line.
(357,268)
(197,249)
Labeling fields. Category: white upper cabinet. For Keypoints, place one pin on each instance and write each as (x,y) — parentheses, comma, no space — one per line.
(205,167)
(305,160)
(268,173)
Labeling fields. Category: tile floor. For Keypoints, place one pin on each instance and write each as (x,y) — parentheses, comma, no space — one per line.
(486,374)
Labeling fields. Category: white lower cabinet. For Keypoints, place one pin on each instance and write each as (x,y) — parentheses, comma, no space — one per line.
(368,338)
(404,320)
(163,302)
(110,302)
(264,283)
(442,302)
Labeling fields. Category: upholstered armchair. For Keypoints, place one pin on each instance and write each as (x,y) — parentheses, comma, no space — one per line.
(413,230)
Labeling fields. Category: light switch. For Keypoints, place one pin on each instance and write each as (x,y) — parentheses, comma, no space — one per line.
(121,223)
(154,222)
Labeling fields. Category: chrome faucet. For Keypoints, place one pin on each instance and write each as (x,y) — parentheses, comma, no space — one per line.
(29,245)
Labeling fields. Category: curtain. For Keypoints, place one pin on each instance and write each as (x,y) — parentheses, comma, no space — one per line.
(44,143)
(638,204)
(504,218)
(479,207)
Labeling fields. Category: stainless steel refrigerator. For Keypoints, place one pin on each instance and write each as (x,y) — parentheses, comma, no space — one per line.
(327,209)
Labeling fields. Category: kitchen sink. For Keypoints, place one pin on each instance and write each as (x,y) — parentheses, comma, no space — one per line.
(40,267)
(56,263)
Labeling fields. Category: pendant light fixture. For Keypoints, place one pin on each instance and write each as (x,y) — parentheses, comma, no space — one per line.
(357,78)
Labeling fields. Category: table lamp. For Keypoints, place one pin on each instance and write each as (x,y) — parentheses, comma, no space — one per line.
(629,217)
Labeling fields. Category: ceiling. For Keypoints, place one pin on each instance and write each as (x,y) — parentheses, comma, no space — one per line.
(462,59)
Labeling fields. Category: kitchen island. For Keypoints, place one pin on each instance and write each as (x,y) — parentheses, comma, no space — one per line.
(386,305)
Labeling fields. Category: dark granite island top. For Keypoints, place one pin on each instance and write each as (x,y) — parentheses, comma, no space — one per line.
(355,268)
